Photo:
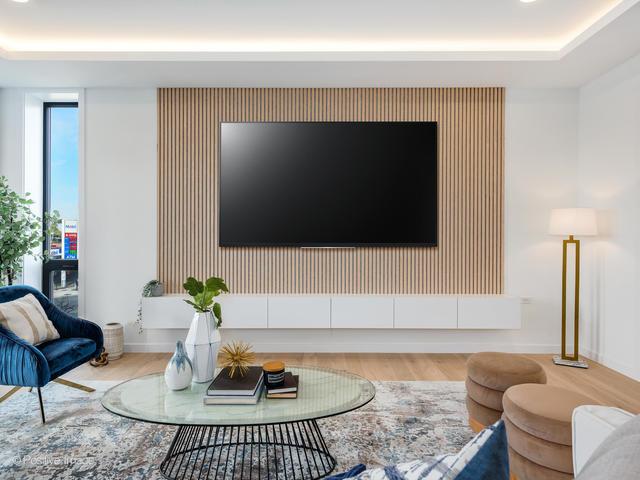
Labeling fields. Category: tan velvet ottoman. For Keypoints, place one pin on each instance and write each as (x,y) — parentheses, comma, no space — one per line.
(538,422)
(489,374)
(527,469)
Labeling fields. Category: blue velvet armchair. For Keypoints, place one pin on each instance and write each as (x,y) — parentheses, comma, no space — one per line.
(26,365)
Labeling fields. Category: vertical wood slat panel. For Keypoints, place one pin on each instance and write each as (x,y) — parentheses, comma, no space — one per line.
(470,251)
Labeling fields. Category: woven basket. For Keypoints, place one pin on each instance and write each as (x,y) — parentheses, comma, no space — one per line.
(113,340)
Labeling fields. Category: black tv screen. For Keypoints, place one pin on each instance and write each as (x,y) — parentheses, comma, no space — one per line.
(328,184)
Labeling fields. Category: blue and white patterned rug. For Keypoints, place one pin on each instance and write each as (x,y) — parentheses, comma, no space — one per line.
(81,440)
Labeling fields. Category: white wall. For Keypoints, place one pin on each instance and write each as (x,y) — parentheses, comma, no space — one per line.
(119,253)
(11,131)
(609,180)
(541,159)
(21,159)
(33,151)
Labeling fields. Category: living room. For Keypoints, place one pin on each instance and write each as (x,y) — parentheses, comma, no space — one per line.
(423,212)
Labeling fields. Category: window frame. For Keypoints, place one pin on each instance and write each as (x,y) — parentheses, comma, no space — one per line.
(51,265)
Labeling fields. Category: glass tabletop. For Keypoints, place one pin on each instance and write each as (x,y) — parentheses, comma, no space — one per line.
(322,392)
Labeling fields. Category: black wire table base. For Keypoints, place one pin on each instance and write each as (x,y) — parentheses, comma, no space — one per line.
(294,450)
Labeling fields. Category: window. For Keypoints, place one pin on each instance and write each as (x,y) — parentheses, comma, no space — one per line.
(61,194)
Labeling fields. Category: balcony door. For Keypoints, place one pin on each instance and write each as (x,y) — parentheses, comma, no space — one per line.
(61,193)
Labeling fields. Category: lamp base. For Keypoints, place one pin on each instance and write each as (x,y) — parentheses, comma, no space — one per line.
(558,360)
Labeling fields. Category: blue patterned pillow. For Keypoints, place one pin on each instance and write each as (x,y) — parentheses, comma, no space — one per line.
(349,473)
(485,457)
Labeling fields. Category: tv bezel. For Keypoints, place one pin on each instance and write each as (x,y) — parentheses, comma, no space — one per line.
(325,245)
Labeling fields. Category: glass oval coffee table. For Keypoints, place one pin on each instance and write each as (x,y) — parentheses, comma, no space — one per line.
(277,438)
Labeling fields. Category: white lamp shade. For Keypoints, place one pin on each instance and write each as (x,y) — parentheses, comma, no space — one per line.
(573,221)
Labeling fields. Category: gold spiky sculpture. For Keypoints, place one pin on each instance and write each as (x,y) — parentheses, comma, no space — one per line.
(237,356)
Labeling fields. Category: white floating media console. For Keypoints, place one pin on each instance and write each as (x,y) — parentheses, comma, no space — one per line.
(344,311)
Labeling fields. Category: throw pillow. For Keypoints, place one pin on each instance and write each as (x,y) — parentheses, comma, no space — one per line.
(349,473)
(489,460)
(485,457)
(25,317)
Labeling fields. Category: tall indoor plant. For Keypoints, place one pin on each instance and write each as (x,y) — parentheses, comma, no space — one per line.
(21,232)
(203,339)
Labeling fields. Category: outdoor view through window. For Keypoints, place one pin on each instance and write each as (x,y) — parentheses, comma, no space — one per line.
(60,273)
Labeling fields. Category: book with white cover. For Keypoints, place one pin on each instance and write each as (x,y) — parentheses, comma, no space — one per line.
(234,399)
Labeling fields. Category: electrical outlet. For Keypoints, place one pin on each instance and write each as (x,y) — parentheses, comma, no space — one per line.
(525,300)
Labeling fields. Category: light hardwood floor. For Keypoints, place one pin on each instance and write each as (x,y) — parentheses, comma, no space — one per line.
(600,383)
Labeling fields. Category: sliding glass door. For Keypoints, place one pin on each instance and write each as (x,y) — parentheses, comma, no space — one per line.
(61,194)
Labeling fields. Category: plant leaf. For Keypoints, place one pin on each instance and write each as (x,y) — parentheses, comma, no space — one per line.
(217,311)
(193,286)
(216,283)
(207,299)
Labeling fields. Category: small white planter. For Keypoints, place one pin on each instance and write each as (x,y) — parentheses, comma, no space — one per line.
(113,335)
(202,344)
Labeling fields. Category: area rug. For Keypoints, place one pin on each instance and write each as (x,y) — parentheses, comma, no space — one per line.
(81,440)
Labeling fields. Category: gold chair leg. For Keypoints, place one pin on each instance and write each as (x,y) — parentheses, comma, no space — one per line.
(69,383)
(9,393)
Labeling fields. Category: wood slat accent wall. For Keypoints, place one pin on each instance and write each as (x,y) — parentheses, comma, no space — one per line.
(469,256)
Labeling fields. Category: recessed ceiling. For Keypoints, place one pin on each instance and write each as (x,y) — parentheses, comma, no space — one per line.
(287,43)
(236,26)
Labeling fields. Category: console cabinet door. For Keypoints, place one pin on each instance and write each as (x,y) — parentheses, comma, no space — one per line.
(243,311)
(362,311)
(426,312)
(299,311)
(168,311)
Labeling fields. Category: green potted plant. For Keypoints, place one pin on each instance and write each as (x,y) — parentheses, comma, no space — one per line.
(21,232)
(203,339)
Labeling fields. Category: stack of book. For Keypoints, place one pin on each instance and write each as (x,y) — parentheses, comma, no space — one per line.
(235,391)
(289,389)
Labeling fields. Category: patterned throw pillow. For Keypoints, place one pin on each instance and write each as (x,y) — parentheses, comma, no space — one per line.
(485,457)
(26,318)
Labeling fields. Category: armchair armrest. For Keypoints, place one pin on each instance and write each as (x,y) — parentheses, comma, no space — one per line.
(69,326)
(591,424)
(21,364)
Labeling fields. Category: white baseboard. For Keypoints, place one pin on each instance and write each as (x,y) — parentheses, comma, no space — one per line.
(607,361)
(295,347)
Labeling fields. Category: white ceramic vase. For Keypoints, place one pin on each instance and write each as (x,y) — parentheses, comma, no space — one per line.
(203,342)
(179,372)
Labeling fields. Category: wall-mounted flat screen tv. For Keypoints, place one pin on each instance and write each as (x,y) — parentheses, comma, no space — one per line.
(328,184)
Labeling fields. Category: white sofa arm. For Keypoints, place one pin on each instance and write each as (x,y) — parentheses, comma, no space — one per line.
(591,424)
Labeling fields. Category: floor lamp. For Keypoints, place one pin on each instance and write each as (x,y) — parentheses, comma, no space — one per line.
(571,222)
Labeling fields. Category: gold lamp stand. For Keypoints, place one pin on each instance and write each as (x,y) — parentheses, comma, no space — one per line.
(564,359)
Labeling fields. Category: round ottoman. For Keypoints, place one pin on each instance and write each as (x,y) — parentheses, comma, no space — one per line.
(538,422)
(489,374)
